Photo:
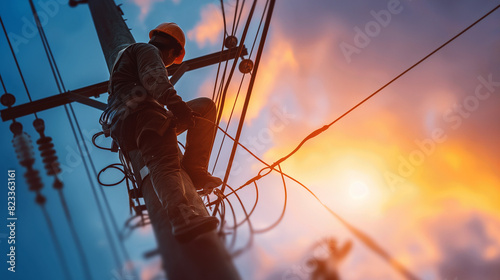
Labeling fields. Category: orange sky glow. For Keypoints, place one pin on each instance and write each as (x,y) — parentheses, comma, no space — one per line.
(416,166)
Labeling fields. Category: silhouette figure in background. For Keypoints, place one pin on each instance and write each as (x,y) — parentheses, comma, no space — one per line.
(327,268)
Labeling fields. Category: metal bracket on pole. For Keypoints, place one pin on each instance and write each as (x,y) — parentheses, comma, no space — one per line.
(87,101)
(178,73)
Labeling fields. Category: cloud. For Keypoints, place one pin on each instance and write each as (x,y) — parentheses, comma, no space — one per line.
(145,7)
(438,214)
(210,27)
(152,270)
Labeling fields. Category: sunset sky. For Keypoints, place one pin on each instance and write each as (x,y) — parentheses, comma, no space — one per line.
(416,167)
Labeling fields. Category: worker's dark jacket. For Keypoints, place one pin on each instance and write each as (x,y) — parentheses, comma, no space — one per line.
(138,83)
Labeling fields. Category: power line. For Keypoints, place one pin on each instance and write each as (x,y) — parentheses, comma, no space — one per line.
(249,94)
(325,127)
(258,28)
(61,88)
(239,88)
(223,17)
(364,238)
(359,234)
(59,251)
(228,123)
(233,30)
(240,49)
(239,16)
(17,63)
(3,85)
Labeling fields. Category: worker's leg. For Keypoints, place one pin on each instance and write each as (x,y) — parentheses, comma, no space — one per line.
(162,159)
(200,137)
(160,155)
(199,143)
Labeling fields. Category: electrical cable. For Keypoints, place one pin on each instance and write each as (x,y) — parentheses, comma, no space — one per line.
(250,227)
(234,230)
(60,84)
(233,31)
(17,64)
(106,202)
(94,138)
(239,88)
(249,94)
(239,17)
(250,242)
(223,17)
(48,220)
(113,166)
(258,29)
(325,127)
(3,85)
(253,207)
(231,72)
(272,226)
(364,238)
(228,123)
(356,232)
(74,233)
(59,251)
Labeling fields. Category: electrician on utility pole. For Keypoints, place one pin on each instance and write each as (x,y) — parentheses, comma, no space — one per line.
(136,118)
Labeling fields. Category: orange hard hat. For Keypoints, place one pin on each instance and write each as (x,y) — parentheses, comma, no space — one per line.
(175,31)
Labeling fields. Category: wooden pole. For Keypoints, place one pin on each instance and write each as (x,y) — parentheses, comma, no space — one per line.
(206,256)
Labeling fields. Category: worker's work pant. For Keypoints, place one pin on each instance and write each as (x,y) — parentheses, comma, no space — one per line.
(159,149)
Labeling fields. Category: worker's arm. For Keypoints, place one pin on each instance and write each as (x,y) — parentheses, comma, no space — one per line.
(153,75)
(154,78)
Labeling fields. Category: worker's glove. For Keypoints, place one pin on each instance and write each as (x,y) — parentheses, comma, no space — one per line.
(182,113)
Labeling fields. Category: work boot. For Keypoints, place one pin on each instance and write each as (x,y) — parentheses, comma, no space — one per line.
(187,224)
(202,180)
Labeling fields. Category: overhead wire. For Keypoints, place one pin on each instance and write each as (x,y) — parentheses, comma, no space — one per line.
(319,131)
(55,239)
(214,96)
(238,92)
(248,95)
(60,85)
(235,62)
(325,127)
(223,17)
(221,95)
(233,31)
(239,17)
(17,64)
(48,220)
(370,243)
(228,123)
(216,93)
(258,28)
(365,239)
(3,85)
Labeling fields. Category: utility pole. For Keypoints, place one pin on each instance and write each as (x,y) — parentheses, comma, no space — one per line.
(203,258)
